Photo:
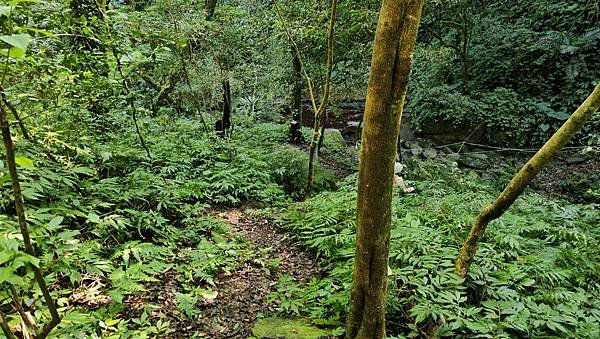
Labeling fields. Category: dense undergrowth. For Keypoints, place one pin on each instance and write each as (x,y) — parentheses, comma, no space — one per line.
(113,226)
(536,271)
(109,221)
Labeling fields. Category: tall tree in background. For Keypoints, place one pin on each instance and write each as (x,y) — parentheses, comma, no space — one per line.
(520,181)
(395,40)
(90,15)
(295,133)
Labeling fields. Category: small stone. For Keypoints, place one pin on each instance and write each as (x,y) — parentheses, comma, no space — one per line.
(453,156)
(430,153)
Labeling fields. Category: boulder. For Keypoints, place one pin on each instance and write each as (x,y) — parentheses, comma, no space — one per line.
(474,161)
(453,156)
(333,138)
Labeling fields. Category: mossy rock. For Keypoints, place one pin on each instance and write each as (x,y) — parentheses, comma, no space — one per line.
(287,328)
(333,139)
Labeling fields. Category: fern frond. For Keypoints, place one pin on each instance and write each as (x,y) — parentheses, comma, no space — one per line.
(590,36)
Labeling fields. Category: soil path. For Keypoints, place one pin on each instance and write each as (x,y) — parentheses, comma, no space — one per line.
(243,293)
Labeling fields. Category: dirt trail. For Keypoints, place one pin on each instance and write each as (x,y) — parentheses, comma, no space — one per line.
(244,292)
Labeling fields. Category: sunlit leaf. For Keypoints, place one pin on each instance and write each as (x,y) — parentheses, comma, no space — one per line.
(24,162)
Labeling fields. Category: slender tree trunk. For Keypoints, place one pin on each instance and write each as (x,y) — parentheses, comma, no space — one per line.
(395,40)
(15,113)
(295,132)
(321,110)
(226,120)
(131,100)
(322,133)
(20,210)
(520,181)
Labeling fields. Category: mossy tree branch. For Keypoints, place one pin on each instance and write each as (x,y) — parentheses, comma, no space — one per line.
(520,181)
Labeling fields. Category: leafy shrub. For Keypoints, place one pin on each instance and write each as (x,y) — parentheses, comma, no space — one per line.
(534,274)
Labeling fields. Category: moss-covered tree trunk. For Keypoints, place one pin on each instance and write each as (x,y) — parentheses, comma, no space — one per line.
(390,70)
(520,181)
(295,133)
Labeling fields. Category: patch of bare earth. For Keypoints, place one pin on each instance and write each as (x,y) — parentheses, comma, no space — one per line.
(243,293)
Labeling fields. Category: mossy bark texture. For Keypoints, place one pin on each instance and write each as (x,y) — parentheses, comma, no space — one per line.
(390,70)
(520,181)
(210,6)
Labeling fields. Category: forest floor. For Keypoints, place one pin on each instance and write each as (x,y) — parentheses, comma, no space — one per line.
(243,294)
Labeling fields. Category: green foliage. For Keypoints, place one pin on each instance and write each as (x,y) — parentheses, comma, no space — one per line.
(516,67)
(287,165)
(111,224)
(534,274)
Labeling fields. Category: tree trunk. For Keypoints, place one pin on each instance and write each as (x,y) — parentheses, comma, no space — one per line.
(322,133)
(15,113)
(295,133)
(395,40)
(222,126)
(321,110)
(131,100)
(520,181)
(210,6)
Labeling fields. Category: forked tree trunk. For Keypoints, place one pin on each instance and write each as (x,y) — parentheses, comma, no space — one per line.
(295,133)
(15,113)
(313,149)
(395,40)
(520,181)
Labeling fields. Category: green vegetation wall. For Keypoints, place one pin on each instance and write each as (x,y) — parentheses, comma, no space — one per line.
(514,70)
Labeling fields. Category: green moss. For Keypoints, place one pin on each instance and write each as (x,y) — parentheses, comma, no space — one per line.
(286,328)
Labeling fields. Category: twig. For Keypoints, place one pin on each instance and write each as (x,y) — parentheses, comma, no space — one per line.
(130,98)
(19,207)
(5,327)
(20,310)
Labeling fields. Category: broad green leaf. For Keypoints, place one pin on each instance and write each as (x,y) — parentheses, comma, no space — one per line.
(7,275)
(5,10)
(4,179)
(55,222)
(25,258)
(24,162)
(15,53)
(93,217)
(20,41)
